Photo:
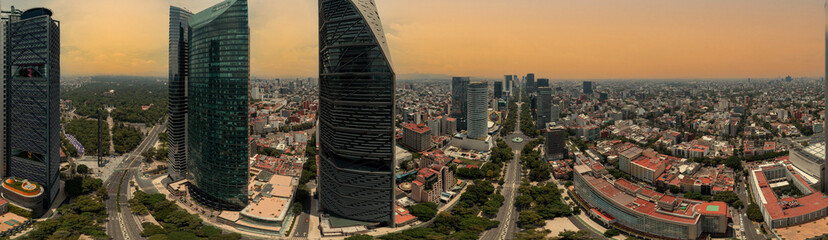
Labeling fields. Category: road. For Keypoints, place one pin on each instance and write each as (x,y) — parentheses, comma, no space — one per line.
(747,225)
(123,224)
(506,215)
(301,229)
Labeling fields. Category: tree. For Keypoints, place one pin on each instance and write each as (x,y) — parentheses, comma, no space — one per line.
(530,220)
(733,162)
(693,195)
(228,236)
(297,208)
(727,196)
(74,186)
(91,184)
(82,169)
(360,237)
(182,235)
(424,211)
(572,235)
(151,229)
(148,155)
(675,189)
(523,201)
(754,213)
(612,232)
(469,173)
(532,234)
(208,231)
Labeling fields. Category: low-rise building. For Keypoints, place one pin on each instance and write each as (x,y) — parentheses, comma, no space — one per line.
(269,209)
(626,206)
(783,211)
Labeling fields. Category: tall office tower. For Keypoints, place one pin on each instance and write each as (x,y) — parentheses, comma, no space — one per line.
(544,111)
(498,89)
(542,82)
(508,82)
(459,101)
(555,147)
(33,99)
(3,24)
(478,110)
(177,112)
(356,106)
(217,101)
(824,171)
(587,87)
(555,114)
(530,83)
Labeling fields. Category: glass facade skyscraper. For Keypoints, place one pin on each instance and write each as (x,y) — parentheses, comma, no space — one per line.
(217,101)
(498,89)
(587,87)
(459,101)
(478,109)
(33,99)
(356,113)
(544,110)
(177,113)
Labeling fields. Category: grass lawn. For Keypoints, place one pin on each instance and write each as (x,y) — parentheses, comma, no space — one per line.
(471,162)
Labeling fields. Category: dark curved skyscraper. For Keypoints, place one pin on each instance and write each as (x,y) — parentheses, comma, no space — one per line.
(177,123)
(356,113)
(217,144)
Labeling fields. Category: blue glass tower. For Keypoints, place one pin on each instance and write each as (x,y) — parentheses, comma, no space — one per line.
(219,74)
(33,99)
(356,113)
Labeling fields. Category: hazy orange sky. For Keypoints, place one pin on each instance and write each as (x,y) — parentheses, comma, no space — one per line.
(558,39)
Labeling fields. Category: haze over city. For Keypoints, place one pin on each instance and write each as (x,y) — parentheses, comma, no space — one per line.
(559,39)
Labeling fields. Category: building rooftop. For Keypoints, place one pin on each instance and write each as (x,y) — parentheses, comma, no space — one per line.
(271,208)
(648,163)
(789,207)
(418,128)
(686,211)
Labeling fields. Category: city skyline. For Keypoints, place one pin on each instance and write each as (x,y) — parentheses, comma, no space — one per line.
(700,39)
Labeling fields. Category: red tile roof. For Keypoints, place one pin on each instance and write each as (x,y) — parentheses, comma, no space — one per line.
(624,183)
(648,163)
(777,209)
(418,128)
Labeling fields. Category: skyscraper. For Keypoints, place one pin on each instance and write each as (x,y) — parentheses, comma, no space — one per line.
(498,89)
(530,83)
(478,110)
(33,99)
(508,82)
(555,147)
(555,114)
(356,113)
(177,120)
(459,101)
(824,171)
(3,78)
(587,87)
(217,101)
(542,82)
(544,111)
